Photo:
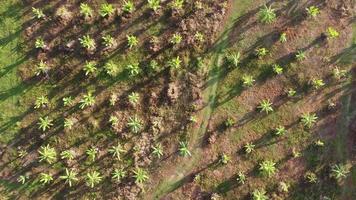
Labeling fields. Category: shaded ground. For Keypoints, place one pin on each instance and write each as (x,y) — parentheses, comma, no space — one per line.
(209,96)
(240,104)
(168,98)
(11,57)
(92,129)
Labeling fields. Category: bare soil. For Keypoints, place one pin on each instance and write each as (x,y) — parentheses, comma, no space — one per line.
(168,98)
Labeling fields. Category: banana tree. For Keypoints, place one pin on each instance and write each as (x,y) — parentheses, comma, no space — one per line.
(339,172)
(153,66)
(177,4)
(317,83)
(339,73)
(114,121)
(265,106)
(261,52)
(85,10)
(300,55)
(70,176)
(22,179)
(249,148)
(157,150)
(41,102)
(68,101)
(93,178)
(38,13)
(45,123)
(41,68)
(319,143)
(198,5)
(277,69)
(224,159)
(280,130)
(67,154)
(313,11)
(89,68)
(128,7)
(108,41)
(308,119)
(87,42)
(197,178)
(45,178)
(241,177)
(332,33)
(40,43)
(91,153)
(229,122)
(247,80)
(22,153)
(176,39)
(311,177)
(87,100)
(132,41)
(193,119)
(291,92)
(199,63)
(283,37)
(116,151)
(183,149)
(111,68)
(267,168)
(199,37)
(267,14)
(47,154)
(233,58)
(113,99)
(259,194)
(175,62)
(140,175)
(118,174)
(133,69)
(296,153)
(215,196)
(134,98)
(283,187)
(135,124)
(68,123)
(154,5)
(106,10)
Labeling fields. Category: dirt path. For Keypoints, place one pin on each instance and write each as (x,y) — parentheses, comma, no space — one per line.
(183,169)
(341,153)
(209,95)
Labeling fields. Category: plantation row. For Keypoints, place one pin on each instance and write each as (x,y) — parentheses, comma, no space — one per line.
(267,168)
(47,153)
(135,124)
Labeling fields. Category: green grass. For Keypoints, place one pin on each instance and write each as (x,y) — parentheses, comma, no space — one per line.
(12,104)
(258,130)
(16,97)
(354,33)
(11,57)
(210,94)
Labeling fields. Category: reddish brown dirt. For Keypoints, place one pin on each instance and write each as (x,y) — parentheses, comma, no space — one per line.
(66,73)
(156,104)
(319,63)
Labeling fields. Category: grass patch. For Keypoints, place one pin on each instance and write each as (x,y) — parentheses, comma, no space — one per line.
(11,57)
